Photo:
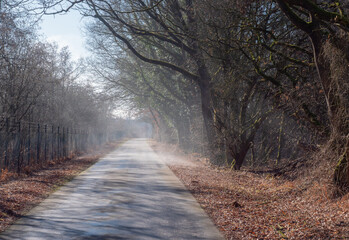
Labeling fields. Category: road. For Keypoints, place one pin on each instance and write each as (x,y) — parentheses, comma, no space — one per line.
(128,194)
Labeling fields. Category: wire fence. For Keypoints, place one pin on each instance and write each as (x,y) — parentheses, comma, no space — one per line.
(28,144)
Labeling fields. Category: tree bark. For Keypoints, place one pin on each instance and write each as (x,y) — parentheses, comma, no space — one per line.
(238,154)
(183,133)
(335,105)
(214,142)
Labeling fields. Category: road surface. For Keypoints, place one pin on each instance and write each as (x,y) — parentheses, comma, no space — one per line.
(128,194)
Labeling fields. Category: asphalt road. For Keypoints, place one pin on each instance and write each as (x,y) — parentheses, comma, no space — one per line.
(128,194)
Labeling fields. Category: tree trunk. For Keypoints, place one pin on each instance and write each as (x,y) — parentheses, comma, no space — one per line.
(322,67)
(228,154)
(183,133)
(236,152)
(238,155)
(156,125)
(341,172)
(214,142)
(336,105)
(240,159)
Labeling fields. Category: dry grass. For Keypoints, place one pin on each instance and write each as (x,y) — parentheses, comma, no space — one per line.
(244,205)
(18,194)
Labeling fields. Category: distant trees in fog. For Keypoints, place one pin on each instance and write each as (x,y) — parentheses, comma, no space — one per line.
(38,80)
(261,81)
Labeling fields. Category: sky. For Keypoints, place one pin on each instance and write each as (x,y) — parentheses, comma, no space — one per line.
(65,30)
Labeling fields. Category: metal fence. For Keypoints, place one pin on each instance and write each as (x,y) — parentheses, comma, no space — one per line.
(28,144)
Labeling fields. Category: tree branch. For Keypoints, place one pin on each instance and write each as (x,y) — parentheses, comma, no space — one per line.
(140,56)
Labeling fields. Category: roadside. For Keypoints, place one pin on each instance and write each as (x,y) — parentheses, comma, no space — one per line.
(129,194)
(20,194)
(244,205)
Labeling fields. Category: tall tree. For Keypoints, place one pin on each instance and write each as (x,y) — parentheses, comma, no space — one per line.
(327,25)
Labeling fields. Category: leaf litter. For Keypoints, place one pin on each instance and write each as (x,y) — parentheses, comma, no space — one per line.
(244,205)
(18,194)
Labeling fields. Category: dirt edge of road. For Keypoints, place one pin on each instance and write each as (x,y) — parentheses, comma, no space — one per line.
(245,205)
(20,194)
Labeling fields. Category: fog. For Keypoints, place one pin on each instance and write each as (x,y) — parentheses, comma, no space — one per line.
(207,76)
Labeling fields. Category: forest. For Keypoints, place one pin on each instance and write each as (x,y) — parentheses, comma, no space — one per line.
(256,92)
(261,84)
(246,83)
(45,112)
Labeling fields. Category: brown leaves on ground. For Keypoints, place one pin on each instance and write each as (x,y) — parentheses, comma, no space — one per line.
(18,194)
(248,206)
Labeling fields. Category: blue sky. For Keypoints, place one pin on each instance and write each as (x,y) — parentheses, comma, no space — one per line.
(65,30)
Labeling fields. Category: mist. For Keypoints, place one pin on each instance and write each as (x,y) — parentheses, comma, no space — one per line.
(209,77)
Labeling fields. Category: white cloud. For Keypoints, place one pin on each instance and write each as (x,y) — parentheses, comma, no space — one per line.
(65,30)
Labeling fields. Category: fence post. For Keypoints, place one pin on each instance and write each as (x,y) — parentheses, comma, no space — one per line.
(19,148)
(63,143)
(52,143)
(58,143)
(67,142)
(45,144)
(28,145)
(75,141)
(17,144)
(78,140)
(38,143)
(6,142)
